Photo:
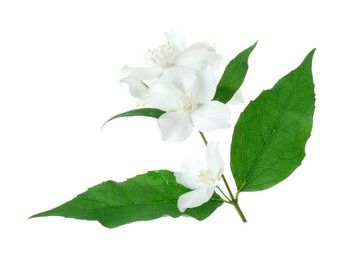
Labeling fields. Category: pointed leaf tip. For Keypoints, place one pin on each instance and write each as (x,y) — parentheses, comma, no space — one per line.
(309,58)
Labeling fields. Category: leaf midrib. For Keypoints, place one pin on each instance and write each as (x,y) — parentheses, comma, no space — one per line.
(120,206)
(235,71)
(281,111)
(231,78)
(261,152)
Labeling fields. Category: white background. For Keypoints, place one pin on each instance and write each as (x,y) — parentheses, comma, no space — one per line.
(58,83)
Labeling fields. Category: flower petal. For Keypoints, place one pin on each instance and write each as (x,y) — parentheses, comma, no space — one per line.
(211,116)
(198,53)
(164,96)
(195,198)
(205,85)
(190,169)
(175,126)
(131,73)
(214,161)
(177,38)
(238,98)
(137,89)
(181,77)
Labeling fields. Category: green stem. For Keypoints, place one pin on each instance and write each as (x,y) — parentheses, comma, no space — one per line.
(228,187)
(238,209)
(221,200)
(228,200)
(233,201)
(203,137)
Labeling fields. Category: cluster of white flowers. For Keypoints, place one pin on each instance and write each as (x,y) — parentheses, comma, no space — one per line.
(181,81)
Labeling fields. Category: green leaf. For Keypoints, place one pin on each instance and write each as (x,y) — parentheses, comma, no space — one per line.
(233,76)
(269,138)
(149,112)
(144,197)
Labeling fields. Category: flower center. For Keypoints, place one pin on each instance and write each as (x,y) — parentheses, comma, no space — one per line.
(188,103)
(164,55)
(205,178)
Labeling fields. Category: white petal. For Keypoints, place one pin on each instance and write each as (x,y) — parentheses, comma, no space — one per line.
(175,126)
(214,161)
(181,77)
(164,96)
(199,53)
(205,85)
(195,198)
(177,38)
(137,89)
(238,98)
(130,73)
(211,116)
(190,169)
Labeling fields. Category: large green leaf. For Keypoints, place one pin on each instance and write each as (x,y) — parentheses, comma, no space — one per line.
(144,197)
(149,112)
(233,76)
(269,138)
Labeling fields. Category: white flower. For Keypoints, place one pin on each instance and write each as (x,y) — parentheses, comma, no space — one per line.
(201,178)
(171,57)
(187,102)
